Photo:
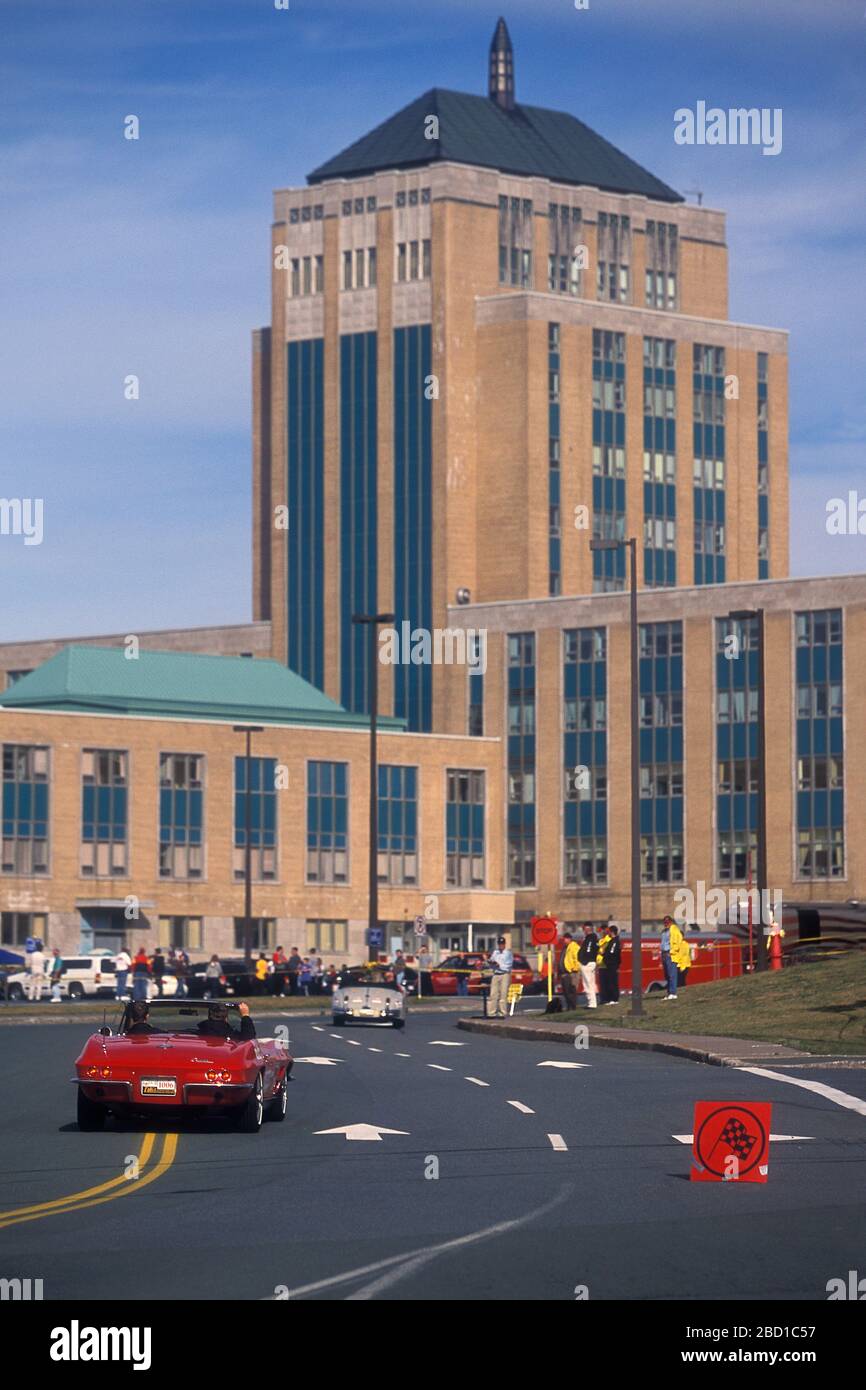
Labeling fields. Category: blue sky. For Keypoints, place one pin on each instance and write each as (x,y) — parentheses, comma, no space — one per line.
(151,257)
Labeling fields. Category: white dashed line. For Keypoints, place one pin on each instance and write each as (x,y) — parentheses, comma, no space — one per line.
(353,1042)
(518,1105)
(374,1049)
(438,1043)
(337,1035)
(558,1143)
(317,1029)
(436,1067)
(402,1054)
(475,1081)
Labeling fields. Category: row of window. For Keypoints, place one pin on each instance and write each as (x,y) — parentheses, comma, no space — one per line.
(104,850)
(323,937)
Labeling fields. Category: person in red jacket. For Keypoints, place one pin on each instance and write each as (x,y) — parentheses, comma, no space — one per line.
(140,974)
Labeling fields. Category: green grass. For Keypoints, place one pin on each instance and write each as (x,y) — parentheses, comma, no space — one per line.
(91,1010)
(818,1007)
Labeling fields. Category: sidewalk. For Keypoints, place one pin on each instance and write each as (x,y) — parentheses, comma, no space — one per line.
(719,1052)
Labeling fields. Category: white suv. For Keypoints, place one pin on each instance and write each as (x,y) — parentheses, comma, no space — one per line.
(88,974)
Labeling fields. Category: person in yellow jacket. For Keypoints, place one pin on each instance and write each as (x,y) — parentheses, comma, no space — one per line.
(569,970)
(675,954)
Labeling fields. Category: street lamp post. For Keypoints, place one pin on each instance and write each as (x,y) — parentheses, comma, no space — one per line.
(249,730)
(636,931)
(373,621)
(743,615)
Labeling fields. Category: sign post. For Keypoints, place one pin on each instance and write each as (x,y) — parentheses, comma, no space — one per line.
(544,932)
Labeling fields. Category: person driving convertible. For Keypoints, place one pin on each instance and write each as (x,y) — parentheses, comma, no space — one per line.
(216,1025)
(138,1016)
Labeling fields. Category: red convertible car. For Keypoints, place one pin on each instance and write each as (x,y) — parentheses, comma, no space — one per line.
(184,1058)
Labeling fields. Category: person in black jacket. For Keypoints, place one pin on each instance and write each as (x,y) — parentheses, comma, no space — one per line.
(217,1025)
(608,965)
(587,955)
(138,1015)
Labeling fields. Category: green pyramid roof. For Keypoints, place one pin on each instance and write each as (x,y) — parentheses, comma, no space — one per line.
(178,685)
(526,140)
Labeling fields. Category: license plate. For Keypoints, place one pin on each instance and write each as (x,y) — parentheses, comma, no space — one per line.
(159,1086)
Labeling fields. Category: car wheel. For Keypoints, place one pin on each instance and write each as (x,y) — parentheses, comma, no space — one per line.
(252,1111)
(16,993)
(398,1022)
(338,1021)
(76,990)
(280,1103)
(91,1117)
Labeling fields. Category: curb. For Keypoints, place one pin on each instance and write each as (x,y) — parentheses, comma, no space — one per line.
(692,1051)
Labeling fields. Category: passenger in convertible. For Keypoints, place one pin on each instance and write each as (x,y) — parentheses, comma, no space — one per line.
(216,1025)
(138,1016)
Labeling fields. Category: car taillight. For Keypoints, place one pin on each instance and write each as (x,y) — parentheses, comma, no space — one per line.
(217,1075)
(95,1073)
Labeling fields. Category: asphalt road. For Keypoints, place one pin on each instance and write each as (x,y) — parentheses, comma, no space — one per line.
(293,1211)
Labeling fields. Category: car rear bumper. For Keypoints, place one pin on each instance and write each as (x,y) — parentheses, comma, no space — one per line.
(192,1095)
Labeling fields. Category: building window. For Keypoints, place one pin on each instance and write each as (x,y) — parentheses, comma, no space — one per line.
(521,759)
(820,747)
(327,937)
(263,933)
(736,749)
(554,544)
(371,203)
(515,242)
(464,829)
(327,822)
(305,496)
(475,720)
(358,523)
(360,257)
(371,266)
(181,815)
(708,388)
(584,746)
(104,812)
(347,270)
(359,205)
(184,933)
(319,280)
(662,265)
(659,462)
(413,260)
(425,259)
(613,257)
(413,528)
(564,267)
(26,771)
(401,260)
(608,457)
(16,927)
(398,824)
(400,199)
(296,278)
(347,207)
(263,818)
(661,752)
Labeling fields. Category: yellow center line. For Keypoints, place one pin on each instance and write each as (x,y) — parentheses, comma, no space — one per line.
(116,1187)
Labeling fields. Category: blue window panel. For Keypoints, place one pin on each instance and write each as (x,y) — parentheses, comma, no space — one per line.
(662,809)
(819,736)
(600,678)
(820,808)
(599,741)
(676,804)
(585,748)
(763,509)
(739,732)
(837,808)
(803,666)
(570,747)
(662,741)
(835,736)
(570,680)
(570,818)
(819,664)
(646,816)
(645,675)
(553,484)
(723,741)
(661,674)
(585,679)
(740,810)
(585,817)
(645,745)
(553,421)
(804,736)
(835,672)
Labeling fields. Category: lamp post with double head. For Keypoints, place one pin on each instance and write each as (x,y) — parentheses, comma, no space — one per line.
(636,932)
(373,621)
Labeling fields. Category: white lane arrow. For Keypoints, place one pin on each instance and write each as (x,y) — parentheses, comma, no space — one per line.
(774,1138)
(322,1061)
(366,1132)
(437,1043)
(563,1065)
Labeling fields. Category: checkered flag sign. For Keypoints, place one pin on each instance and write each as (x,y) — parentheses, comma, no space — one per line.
(737,1138)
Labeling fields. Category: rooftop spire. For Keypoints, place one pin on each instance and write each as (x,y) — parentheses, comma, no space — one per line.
(501,83)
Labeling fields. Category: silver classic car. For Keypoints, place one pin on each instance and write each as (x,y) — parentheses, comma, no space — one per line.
(368,994)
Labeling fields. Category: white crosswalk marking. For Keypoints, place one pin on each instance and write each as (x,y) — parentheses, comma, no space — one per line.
(524,1109)
(374,1049)
(436,1066)
(558,1143)
(475,1081)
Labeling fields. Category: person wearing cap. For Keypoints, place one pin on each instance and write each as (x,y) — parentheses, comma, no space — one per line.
(502,961)
(217,1025)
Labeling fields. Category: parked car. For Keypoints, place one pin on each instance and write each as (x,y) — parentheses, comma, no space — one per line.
(368,994)
(176,1068)
(91,973)
(235,979)
(443,978)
